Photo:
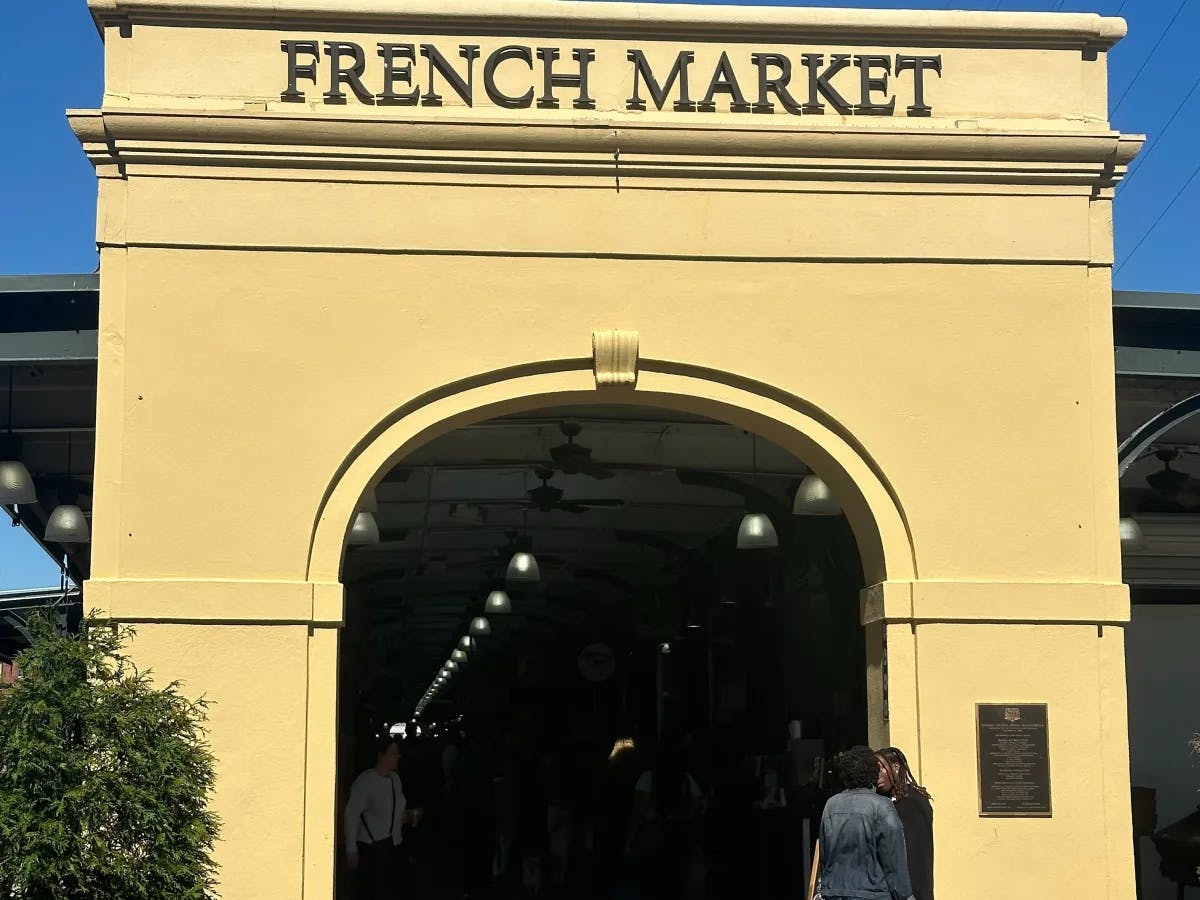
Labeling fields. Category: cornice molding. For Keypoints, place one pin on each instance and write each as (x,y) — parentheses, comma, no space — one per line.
(1084,31)
(116,139)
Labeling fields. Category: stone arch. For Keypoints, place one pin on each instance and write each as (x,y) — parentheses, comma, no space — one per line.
(872,507)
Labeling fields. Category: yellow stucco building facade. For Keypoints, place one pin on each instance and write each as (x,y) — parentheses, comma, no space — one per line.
(332,232)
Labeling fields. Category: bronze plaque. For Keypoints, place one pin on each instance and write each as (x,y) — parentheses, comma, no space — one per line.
(1014,759)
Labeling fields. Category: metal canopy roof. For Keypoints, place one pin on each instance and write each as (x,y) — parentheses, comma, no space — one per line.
(1156,335)
(48,343)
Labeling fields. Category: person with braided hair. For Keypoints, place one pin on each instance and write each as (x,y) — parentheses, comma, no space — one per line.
(915,808)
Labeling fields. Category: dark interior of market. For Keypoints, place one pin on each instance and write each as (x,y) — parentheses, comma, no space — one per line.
(670,628)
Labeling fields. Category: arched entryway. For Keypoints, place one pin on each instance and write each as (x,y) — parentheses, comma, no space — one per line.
(756,658)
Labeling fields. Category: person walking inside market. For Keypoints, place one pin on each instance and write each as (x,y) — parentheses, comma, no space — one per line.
(915,808)
(375,815)
(862,852)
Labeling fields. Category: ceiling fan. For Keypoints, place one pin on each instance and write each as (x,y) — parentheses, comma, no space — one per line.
(1170,490)
(576,459)
(548,498)
(569,458)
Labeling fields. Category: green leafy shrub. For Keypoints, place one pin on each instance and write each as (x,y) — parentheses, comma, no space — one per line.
(104,778)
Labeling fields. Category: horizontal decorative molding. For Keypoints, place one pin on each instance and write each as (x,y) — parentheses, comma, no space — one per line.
(215,602)
(641,20)
(121,138)
(920,602)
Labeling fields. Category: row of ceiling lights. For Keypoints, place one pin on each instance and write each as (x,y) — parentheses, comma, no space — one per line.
(522,569)
(67,523)
(756,531)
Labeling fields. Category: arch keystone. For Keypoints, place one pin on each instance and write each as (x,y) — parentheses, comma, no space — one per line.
(615,357)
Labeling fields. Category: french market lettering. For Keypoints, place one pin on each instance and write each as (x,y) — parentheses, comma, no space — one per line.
(757,82)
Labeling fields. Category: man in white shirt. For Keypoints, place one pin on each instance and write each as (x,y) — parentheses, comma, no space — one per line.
(375,814)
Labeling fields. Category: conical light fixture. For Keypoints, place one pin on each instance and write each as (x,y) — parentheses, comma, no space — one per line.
(365,530)
(467,643)
(67,524)
(451,666)
(459,656)
(16,484)
(814,498)
(523,568)
(1132,537)
(480,627)
(498,602)
(756,531)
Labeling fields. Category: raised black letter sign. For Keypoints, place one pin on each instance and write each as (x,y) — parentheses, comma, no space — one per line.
(296,70)
(581,55)
(351,76)
(866,106)
(919,64)
(438,63)
(497,96)
(393,73)
(819,83)
(724,81)
(641,70)
(777,85)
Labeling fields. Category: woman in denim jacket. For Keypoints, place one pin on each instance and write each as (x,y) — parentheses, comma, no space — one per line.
(861,839)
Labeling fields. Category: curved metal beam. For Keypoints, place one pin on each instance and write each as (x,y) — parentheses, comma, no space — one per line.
(1132,448)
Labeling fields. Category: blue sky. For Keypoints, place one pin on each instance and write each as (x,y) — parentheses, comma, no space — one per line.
(49,193)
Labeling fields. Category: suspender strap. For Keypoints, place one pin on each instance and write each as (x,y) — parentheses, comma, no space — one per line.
(391,831)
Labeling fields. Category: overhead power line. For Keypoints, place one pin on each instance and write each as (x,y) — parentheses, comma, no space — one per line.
(1145,154)
(1161,216)
(1149,56)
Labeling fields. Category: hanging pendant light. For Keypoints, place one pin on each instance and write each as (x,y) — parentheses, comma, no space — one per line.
(16,484)
(756,531)
(459,656)
(814,498)
(498,602)
(451,666)
(467,643)
(67,524)
(365,530)
(523,568)
(480,627)
(1132,536)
